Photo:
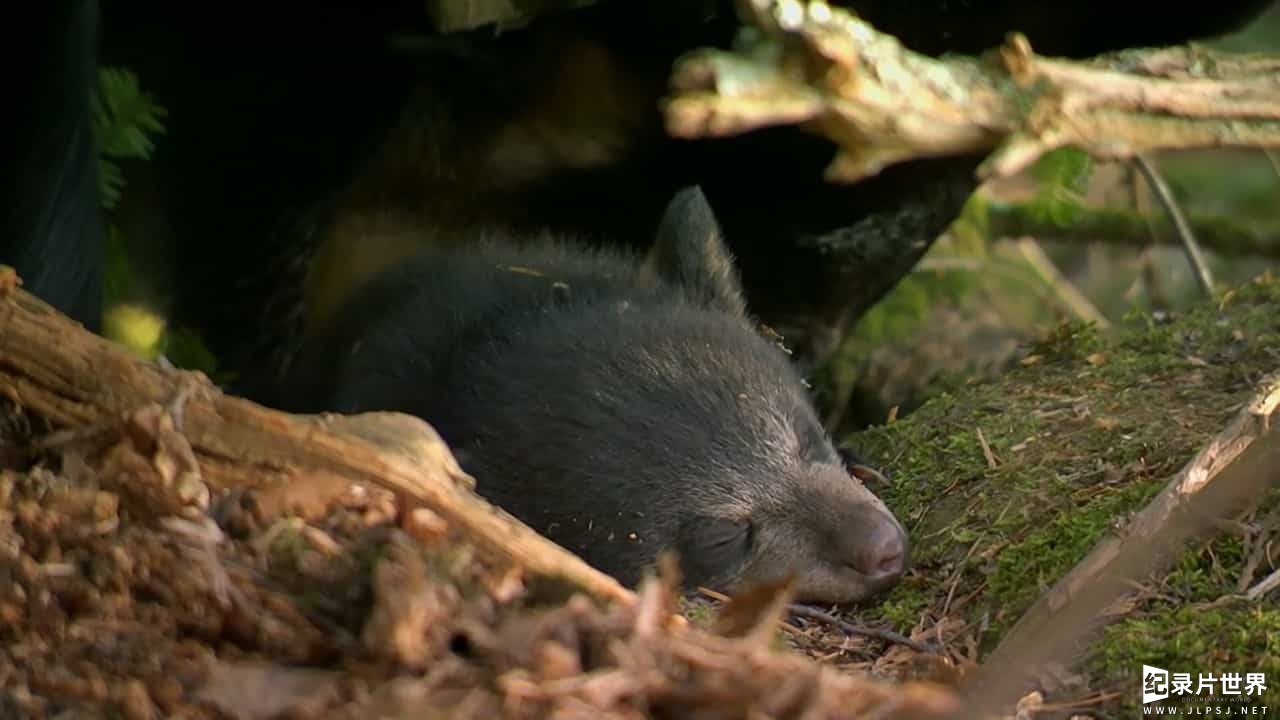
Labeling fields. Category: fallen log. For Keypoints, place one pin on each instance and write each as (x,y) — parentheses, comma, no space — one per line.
(830,72)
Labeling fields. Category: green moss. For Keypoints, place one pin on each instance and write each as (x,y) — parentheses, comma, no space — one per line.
(1068,342)
(1243,637)
(908,604)
(1056,544)
(1087,429)
(1194,625)
(700,613)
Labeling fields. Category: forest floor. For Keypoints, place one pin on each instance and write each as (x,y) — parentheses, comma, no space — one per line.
(1006,485)
(112,605)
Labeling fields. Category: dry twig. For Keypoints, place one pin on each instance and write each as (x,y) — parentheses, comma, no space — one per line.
(888,636)
(1185,234)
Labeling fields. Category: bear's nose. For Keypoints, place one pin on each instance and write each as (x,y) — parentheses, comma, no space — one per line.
(884,552)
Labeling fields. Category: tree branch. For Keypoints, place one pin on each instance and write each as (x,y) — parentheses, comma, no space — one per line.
(809,64)
(1121,227)
(1186,235)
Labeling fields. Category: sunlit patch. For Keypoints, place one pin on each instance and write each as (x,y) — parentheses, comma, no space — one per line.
(136,327)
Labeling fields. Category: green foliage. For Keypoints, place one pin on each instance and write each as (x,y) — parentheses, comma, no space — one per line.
(124,118)
(943,276)
(1066,168)
(966,262)
(968,270)
(184,349)
(909,304)
(117,276)
(1062,176)
(1262,35)
(126,122)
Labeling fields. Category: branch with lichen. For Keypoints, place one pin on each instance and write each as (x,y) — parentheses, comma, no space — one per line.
(1115,226)
(808,64)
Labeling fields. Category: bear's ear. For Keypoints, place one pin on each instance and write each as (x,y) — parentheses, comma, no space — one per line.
(690,254)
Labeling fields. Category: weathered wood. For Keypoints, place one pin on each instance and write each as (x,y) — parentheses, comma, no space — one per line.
(809,64)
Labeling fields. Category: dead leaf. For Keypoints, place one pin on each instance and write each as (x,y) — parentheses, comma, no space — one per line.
(757,609)
(253,690)
(1106,423)
(407,623)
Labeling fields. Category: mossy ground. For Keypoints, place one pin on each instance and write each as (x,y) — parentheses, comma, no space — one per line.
(1085,430)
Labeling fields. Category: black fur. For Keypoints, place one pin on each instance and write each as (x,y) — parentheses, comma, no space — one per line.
(689,252)
(617,410)
(53,233)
